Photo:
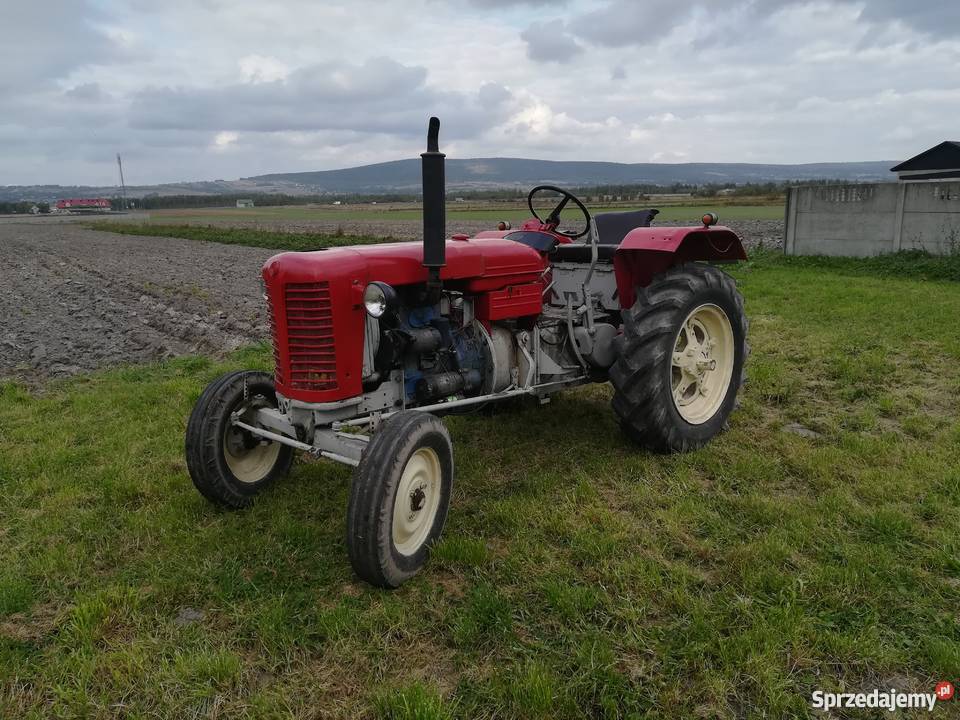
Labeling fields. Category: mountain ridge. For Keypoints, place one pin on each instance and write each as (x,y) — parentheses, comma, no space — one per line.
(483,173)
(500,172)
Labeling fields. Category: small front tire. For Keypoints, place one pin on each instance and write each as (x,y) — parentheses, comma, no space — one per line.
(229,466)
(399,498)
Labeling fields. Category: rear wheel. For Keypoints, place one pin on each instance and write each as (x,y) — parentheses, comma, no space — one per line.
(228,465)
(399,498)
(681,362)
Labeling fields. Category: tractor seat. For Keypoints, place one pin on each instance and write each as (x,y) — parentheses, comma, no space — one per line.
(612,228)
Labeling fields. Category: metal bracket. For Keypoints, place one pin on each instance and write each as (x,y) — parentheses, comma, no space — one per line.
(342,447)
(502,395)
(594,258)
(572,338)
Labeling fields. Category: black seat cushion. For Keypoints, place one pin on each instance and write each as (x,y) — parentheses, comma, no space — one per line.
(613,227)
(578,252)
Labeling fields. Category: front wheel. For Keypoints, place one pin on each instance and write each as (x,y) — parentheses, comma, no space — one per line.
(399,498)
(228,465)
(681,360)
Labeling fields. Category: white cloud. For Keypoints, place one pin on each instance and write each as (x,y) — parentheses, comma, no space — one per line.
(201,90)
(262,68)
(224,139)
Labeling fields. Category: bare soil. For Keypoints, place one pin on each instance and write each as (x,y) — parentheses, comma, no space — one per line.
(73,299)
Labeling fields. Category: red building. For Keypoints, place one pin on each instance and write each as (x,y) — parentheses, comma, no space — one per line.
(84,204)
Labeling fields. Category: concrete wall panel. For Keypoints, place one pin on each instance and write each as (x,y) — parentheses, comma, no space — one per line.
(863,220)
(937,233)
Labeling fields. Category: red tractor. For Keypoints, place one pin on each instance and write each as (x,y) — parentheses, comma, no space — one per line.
(372,343)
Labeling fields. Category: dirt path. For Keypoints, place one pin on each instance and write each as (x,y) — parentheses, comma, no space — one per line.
(73,299)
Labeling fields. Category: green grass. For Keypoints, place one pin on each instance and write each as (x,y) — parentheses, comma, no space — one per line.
(511,212)
(238,236)
(917,264)
(577,576)
(223,233)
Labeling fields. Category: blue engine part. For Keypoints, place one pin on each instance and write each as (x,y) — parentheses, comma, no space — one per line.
(419,317)
(470,350)
(460,348)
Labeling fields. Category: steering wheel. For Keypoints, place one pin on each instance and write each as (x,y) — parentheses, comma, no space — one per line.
(554,217)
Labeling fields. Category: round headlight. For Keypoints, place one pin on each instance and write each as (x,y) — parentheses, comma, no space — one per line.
(378,298)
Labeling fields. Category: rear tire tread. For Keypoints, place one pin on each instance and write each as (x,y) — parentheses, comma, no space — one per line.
(642,394)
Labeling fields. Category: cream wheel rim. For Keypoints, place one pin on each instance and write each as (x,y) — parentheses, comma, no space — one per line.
(702,365)
(248,464)
(417,501)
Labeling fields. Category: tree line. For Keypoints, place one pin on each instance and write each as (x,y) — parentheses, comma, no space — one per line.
(631,191)
(23,207)
(627,191)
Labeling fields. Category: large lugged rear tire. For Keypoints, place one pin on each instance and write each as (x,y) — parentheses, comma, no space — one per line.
(681,360)
(399,498)
(230,466)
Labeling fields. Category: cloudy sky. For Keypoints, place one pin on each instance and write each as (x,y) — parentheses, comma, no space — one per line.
(207,89)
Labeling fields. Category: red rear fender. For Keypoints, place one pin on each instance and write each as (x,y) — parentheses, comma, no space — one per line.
(645,252)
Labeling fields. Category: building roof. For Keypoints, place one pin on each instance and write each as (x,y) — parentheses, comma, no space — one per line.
(945,156)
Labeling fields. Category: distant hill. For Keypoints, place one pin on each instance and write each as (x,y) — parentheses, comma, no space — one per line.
(481,173)
(500,172)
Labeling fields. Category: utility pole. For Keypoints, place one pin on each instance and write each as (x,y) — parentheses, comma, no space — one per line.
(123,187)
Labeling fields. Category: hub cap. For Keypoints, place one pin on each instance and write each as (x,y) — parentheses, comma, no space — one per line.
(702,363)
(249,459)
(417,501)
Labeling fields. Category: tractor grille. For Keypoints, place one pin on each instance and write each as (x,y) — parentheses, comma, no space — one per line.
(310,345)
(275,334)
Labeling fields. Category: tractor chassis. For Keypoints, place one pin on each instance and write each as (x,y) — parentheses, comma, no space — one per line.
(335,426)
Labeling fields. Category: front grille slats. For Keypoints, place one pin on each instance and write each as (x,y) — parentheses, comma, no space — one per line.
(278,373)
(309,341)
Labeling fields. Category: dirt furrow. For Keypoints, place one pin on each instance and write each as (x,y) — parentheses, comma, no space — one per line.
(73,300)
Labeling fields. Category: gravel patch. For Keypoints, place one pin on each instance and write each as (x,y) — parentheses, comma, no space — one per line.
(802,431)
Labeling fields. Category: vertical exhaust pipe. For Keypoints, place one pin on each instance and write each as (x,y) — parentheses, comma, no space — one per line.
(434,204)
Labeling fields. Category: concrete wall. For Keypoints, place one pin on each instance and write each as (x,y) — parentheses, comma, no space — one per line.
(862,220)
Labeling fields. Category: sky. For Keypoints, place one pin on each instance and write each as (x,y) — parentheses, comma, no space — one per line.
(221,89)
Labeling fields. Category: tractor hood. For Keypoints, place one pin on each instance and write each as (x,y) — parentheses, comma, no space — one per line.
(477,264)
(316,309)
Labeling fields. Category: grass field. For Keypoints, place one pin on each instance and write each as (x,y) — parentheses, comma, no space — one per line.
(577,577)
(237,236)
(513,213)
